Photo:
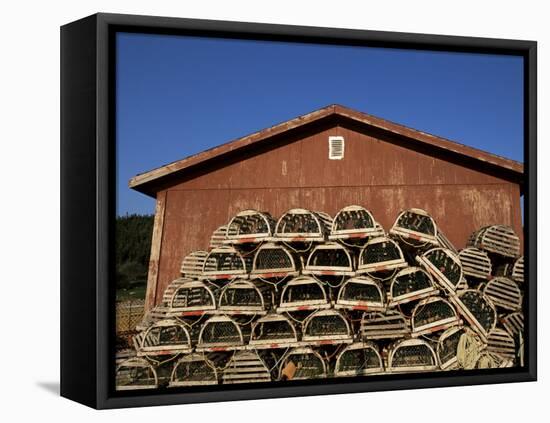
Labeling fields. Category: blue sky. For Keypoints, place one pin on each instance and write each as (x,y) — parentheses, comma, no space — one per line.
(178,96)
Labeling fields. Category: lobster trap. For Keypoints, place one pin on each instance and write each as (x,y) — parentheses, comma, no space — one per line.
(301,225)
(244,297)
(475,263)
(193,370)
(444,266)
(226,263)
(500,343)
(273,331)
(415,228)
(221,333)
(431,315)
(411,284)
(192,264)
(361,293)
(192,298)
(163,310)
(302,364)
(512,270)
(353,225)
(380,258)
(389,325)
(303,293)
(359,359)
(135,373)
(513,323)
(246,367)
(496,239)
(165,337)
(504,293)
(274,261)
(412,355)
(250,227)
(478,310)
(330,259)
(326,327)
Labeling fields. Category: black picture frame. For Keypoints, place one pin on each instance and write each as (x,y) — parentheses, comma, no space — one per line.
(88,158)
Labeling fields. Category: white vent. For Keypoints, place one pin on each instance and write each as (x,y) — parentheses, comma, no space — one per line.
(336,148)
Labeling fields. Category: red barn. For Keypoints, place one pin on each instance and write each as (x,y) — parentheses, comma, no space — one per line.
(323,161)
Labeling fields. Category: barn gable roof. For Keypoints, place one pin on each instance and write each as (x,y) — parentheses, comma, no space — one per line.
(149,182)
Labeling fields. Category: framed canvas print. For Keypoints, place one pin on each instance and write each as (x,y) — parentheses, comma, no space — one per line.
(259,211)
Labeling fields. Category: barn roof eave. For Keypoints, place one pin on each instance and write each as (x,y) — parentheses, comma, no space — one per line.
(149,182)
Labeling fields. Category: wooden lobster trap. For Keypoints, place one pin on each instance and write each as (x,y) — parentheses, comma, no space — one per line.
(221,333)
(444,266)
(192,264)
(361,293)
(218,237)
(416,228)
(353,226)
(273,331)
(330,259)
(163,310)
(431,315)
(475,263)
(165,337)
(496,239)
(192,298)
(302,364)
(512,270)
(412,355)
(477,309)
(303,293)
(193,370)
(250,227)
(301,225)
(513,323)
(326,327)
(381,258)
(359,359)
(500,343)
(458,347)
(411,284)
(135,373)
(244,297)
(246,367)
(504,293)
(389,325)
(274,261)
(225,263)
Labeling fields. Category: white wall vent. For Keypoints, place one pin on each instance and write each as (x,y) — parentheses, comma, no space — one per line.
(336,148)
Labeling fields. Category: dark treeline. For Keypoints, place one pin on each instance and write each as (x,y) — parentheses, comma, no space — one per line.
(133,245)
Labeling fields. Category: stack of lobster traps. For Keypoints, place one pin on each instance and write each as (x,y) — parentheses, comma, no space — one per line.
(307,296)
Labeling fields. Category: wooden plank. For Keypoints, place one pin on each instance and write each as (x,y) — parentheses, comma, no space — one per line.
(154,259)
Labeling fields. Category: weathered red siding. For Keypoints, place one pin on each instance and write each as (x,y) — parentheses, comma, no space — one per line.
(383,175)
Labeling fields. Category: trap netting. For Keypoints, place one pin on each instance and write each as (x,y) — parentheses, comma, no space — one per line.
(224,263)
(298,225)
(380,258)
(478,310)
(250,226)
(415,227)
(326,325)
(444,266)
(361,293)
(411,284)
(329,259)
(193,370)
(303,293)
(164,337)
(359,359)
(191,297)
(431,315)
(220,332)
(412,355)
(273,331)
(301,364)
(272,261)
(243,297)
(135,373)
